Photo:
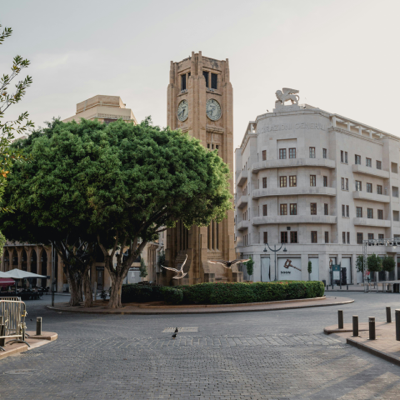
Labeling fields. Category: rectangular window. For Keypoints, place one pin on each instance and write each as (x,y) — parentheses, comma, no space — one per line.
(264,183)
(359,238)
(205,74)
(292,153)
(347,184)
(313,180)
(378,165)
(348,237)
(370,236)
(214,81)
(314,237)
(396,216)
(381,236)
(345,158)
(359,212)
(368,162)
(265,237)
(343,210)
(369,187)
(395,191)
(344,237)
(284,237)
(283,181)
(325,181)
(326,210)
(313,208)
(293,237)
(326,237)
(358,159)
(370,213)
(379,189)
(380,214)
(183,82)
(324,153)
(312,152)
(347,211)
(282,154)
(264,155)
(293,181)
(358,186)
(265,210)
(283,208)
(341,156)
(394,168)
(343,184)
(293,209)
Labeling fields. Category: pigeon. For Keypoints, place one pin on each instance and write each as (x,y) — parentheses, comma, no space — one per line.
(31,319)
(228,264)
(176,330)
(174,336)
(179,272)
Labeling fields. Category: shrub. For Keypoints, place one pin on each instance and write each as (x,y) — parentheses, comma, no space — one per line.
(374,263)
(135,293)
(249,267)
(360,263)
(388,264)
(171,294)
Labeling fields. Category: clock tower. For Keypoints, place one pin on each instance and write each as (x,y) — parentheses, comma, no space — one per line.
(200,102)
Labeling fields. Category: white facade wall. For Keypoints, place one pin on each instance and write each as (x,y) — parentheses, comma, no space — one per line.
(302,127)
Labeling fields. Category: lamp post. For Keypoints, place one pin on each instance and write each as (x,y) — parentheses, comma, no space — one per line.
(275,250)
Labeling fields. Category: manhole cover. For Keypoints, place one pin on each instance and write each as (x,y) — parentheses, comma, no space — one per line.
(182,329)
(20,372)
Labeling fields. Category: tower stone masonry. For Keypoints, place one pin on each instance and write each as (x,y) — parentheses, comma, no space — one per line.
(200,102)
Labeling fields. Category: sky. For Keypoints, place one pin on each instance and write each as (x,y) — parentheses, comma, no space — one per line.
(342,55)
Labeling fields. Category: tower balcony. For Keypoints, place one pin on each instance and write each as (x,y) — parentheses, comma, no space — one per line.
(293,162)
(242,177)
(295,219)
(294,191)
(363,169)
(243,225)
(377,223)
(379,198)
(242,201)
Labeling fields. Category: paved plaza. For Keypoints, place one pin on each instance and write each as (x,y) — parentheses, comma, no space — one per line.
(258,355)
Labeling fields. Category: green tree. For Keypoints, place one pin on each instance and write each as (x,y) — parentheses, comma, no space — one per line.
(143,269)
(249,267)
(374,263)
(388,264)
(122,183)
(360,263)
(309,269)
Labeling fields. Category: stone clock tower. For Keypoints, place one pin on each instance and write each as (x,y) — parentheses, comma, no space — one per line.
(200,103)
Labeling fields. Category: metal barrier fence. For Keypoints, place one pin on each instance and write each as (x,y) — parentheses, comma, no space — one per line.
(12,322)
(11,298)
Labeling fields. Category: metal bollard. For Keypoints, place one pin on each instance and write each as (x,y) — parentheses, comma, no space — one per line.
(397,313)
(372,333)
(38,326)
(388,315)
(2,333)
(340,319)
(355,325)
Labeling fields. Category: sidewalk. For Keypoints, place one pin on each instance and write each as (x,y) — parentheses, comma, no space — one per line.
(33,341)
(385,346)
(357,288)
(161,308)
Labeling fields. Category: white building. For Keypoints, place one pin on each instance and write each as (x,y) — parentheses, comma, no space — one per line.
(319,184)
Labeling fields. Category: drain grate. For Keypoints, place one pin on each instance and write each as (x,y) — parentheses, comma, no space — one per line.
(182,329)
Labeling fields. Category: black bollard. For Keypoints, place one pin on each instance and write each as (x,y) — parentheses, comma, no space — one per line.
(2,333)
(340,319)
(397,313)
(388,315)
(372,333)
(38,326)
(355,325)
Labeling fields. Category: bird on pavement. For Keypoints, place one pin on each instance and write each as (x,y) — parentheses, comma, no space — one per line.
(174,336)
(179,272)
(176,330)
(228,264)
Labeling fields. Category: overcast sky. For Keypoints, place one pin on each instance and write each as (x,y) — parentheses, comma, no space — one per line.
(343,55)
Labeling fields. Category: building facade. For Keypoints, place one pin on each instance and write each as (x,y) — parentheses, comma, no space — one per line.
(200,102)
(317,184)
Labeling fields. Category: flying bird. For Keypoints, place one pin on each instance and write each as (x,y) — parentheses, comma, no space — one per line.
(228,264)
(180,273)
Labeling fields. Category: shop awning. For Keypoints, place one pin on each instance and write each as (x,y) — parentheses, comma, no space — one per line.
(5,282)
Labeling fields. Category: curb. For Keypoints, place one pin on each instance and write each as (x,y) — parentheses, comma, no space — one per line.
(209,309)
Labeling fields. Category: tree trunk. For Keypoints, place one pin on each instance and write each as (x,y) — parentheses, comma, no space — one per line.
(87,289)
(116,289)
(76,294)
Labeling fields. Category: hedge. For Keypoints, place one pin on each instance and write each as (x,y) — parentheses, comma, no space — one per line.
(223,293)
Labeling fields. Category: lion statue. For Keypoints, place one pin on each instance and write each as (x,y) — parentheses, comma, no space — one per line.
(287,94)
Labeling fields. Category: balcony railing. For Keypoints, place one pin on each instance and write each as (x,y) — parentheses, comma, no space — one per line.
(363,169)
(295,219)
(294,162)
(294,191)
(381,198)
(381,223)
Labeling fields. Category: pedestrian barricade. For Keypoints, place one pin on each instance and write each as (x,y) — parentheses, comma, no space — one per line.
(12,322)
(11,298)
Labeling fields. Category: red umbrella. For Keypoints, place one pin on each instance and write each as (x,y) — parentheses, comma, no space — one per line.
(5,282)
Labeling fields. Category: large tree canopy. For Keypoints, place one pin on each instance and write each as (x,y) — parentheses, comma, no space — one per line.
(122,183)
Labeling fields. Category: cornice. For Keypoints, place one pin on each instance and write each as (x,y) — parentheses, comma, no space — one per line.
(356,135)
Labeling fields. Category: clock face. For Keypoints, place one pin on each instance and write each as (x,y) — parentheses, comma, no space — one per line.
(213,110)
(183,110)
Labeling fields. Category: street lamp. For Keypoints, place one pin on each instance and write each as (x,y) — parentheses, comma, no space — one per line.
(274,250)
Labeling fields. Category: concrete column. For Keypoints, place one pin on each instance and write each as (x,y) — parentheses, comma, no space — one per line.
(19,255)
(304,266)
(28,259)
(257,268)
(49,266)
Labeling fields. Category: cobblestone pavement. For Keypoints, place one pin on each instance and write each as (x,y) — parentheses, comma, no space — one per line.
(260,355)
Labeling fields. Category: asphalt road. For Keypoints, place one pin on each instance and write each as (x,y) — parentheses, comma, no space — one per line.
(256,355)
